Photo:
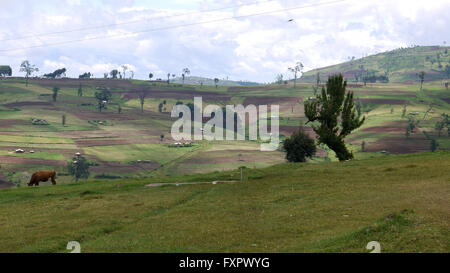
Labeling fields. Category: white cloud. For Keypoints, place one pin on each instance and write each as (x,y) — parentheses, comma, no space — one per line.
(253,48)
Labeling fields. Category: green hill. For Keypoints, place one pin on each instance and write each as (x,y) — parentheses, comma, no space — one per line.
(400,201)
(400,65)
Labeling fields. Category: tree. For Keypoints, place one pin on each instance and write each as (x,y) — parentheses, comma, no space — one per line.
(447,71)
(80,91)
(168,78)
(119,109)
(299,146)
(186,72)
(216,81)
(316,87)
(102,98)
(78,167)
(86,75)
(433,145)
(28,69)
(422,78)
(161,137)
(160,107)
(404,111)
(5,70)
(363,146)
(124,68)
(150,76)
(58,73)
(63,120)
(55,93)
(142,96)
(296,69)
(279,79)
(114,73)
(329,108)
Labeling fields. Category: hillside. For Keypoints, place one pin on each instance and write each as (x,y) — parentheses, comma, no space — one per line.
(137,144)
(207,81)
(400,65)
(400,201)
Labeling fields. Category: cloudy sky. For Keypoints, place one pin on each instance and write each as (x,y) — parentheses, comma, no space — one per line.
(213,38)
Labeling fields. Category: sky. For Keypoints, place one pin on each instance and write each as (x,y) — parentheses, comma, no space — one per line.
(213,38)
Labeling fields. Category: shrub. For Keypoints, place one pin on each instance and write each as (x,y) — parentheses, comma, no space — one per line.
(299,146)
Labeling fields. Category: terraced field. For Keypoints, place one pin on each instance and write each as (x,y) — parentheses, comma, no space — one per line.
(129,144)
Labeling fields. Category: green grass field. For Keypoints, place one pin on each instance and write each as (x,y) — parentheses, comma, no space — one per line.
(400,201)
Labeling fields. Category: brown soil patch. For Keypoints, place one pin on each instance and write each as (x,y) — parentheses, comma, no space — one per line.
(30,161)
(400,145)
(10,123)
(28,104)
(446,100)
(4,183)
(100,142)
(270,100)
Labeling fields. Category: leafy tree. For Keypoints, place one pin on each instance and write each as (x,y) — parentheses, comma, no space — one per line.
(446,85)
(114,73)
(5,70)
(142,96)
(80,91)
(78,167)
(422,78)
(279,79)
(150,76)
(331,107)
(56,74)
(168,78)
(102,98)
(119,109)
(160,107)
(63,120)
(216,81)
(124,68)
(299,146)
(404,111)
(186,72)
(55,93)
(296,69)
(433,145)
(86,75)
(28,69)
(363,146)
(161,137)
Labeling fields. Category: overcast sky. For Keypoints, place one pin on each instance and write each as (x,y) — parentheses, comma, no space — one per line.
(252,48)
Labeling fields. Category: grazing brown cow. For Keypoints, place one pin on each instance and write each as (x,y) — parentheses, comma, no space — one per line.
(43,176)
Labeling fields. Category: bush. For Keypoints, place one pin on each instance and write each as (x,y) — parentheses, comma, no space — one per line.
(299,146)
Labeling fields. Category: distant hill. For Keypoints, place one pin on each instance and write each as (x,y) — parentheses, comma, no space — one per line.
(207,81)
(399,65)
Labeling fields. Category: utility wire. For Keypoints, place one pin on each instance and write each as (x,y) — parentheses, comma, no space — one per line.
(133,22)
(174,26)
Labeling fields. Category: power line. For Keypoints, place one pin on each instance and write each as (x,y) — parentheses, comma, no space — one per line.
(174,26)
(133,22)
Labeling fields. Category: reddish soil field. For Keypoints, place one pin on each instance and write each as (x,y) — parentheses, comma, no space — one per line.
(30,161)
(28,104)
(400,145)
(100,142)
(446,100)
(9,123)
(270,100)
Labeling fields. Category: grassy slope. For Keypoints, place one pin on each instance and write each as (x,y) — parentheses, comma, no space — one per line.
(285,208)
(402,65)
